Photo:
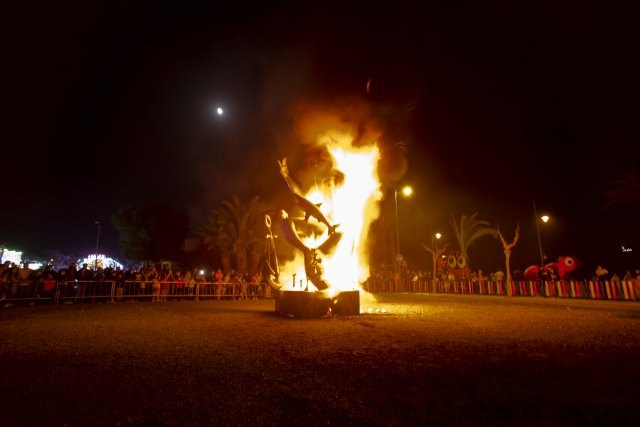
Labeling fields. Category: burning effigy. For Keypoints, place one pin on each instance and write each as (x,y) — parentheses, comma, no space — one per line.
(331,261)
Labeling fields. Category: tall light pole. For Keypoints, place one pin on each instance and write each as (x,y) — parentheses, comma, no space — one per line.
(544,219)
(395,198)
(95,266)
(407,191)
(435,254)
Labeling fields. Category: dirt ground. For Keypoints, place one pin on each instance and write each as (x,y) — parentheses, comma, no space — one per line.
(430,360)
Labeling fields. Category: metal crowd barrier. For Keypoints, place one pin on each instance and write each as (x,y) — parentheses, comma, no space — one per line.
(69,292)
(624,290)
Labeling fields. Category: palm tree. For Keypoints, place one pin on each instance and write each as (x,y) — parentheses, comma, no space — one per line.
(625,190)
(468,230)
(215,235)
(237,228)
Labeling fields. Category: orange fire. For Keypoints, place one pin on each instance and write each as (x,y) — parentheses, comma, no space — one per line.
(354,205)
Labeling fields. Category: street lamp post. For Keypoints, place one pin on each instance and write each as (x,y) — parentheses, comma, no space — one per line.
(407,191)
(544,218)
(95,266)
(435,254)
(395,197)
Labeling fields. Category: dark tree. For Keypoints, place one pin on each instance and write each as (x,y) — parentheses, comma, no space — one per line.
(151,232)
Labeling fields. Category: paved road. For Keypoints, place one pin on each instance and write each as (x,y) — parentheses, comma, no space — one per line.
(431,359)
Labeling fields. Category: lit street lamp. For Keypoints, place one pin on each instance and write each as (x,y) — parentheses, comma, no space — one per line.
(437,236)
(406,191)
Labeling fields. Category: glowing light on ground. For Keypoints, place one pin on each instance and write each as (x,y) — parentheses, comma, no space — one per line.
(371,310)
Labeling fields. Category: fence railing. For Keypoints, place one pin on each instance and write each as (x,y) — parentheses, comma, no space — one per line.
(623,290)
(112,291)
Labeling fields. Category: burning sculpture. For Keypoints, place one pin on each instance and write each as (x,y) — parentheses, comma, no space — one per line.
(312,261)
(334,260)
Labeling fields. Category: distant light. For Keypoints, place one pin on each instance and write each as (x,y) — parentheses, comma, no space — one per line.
(201,272)
(220,111)
(545,218)
(103,261)
(438,235)
(35,265)
(407,190)
(626,249)
(12,256)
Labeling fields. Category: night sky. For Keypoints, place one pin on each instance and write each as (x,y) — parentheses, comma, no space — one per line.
(497,105)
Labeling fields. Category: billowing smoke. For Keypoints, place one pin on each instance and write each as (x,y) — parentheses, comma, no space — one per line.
(311,119)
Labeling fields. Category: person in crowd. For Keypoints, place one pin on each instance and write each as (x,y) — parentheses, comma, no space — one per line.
(189,283)
(24,277)
(254,286)
(101,284)
(5,274)
(227,282)
(243,285)
(66,286)
(601,273)
(49,278)
(138,285)
(219,277)
(83,276)
(179,283)
(200,281)
(155,288)
(68,282)
(118,277)
(236,280)
(150,274)
(165,282)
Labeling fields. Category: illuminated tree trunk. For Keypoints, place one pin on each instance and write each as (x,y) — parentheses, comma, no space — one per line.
(241,259)
(225,258)
(435,254)
(507,255)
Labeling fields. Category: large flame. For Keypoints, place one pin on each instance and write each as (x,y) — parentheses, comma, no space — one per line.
(354,205)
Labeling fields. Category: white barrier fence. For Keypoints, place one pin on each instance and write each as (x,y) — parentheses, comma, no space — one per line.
(112,291)
(624,290)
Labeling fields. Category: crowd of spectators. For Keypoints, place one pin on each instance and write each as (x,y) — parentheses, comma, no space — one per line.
(405,279)
(75,284)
